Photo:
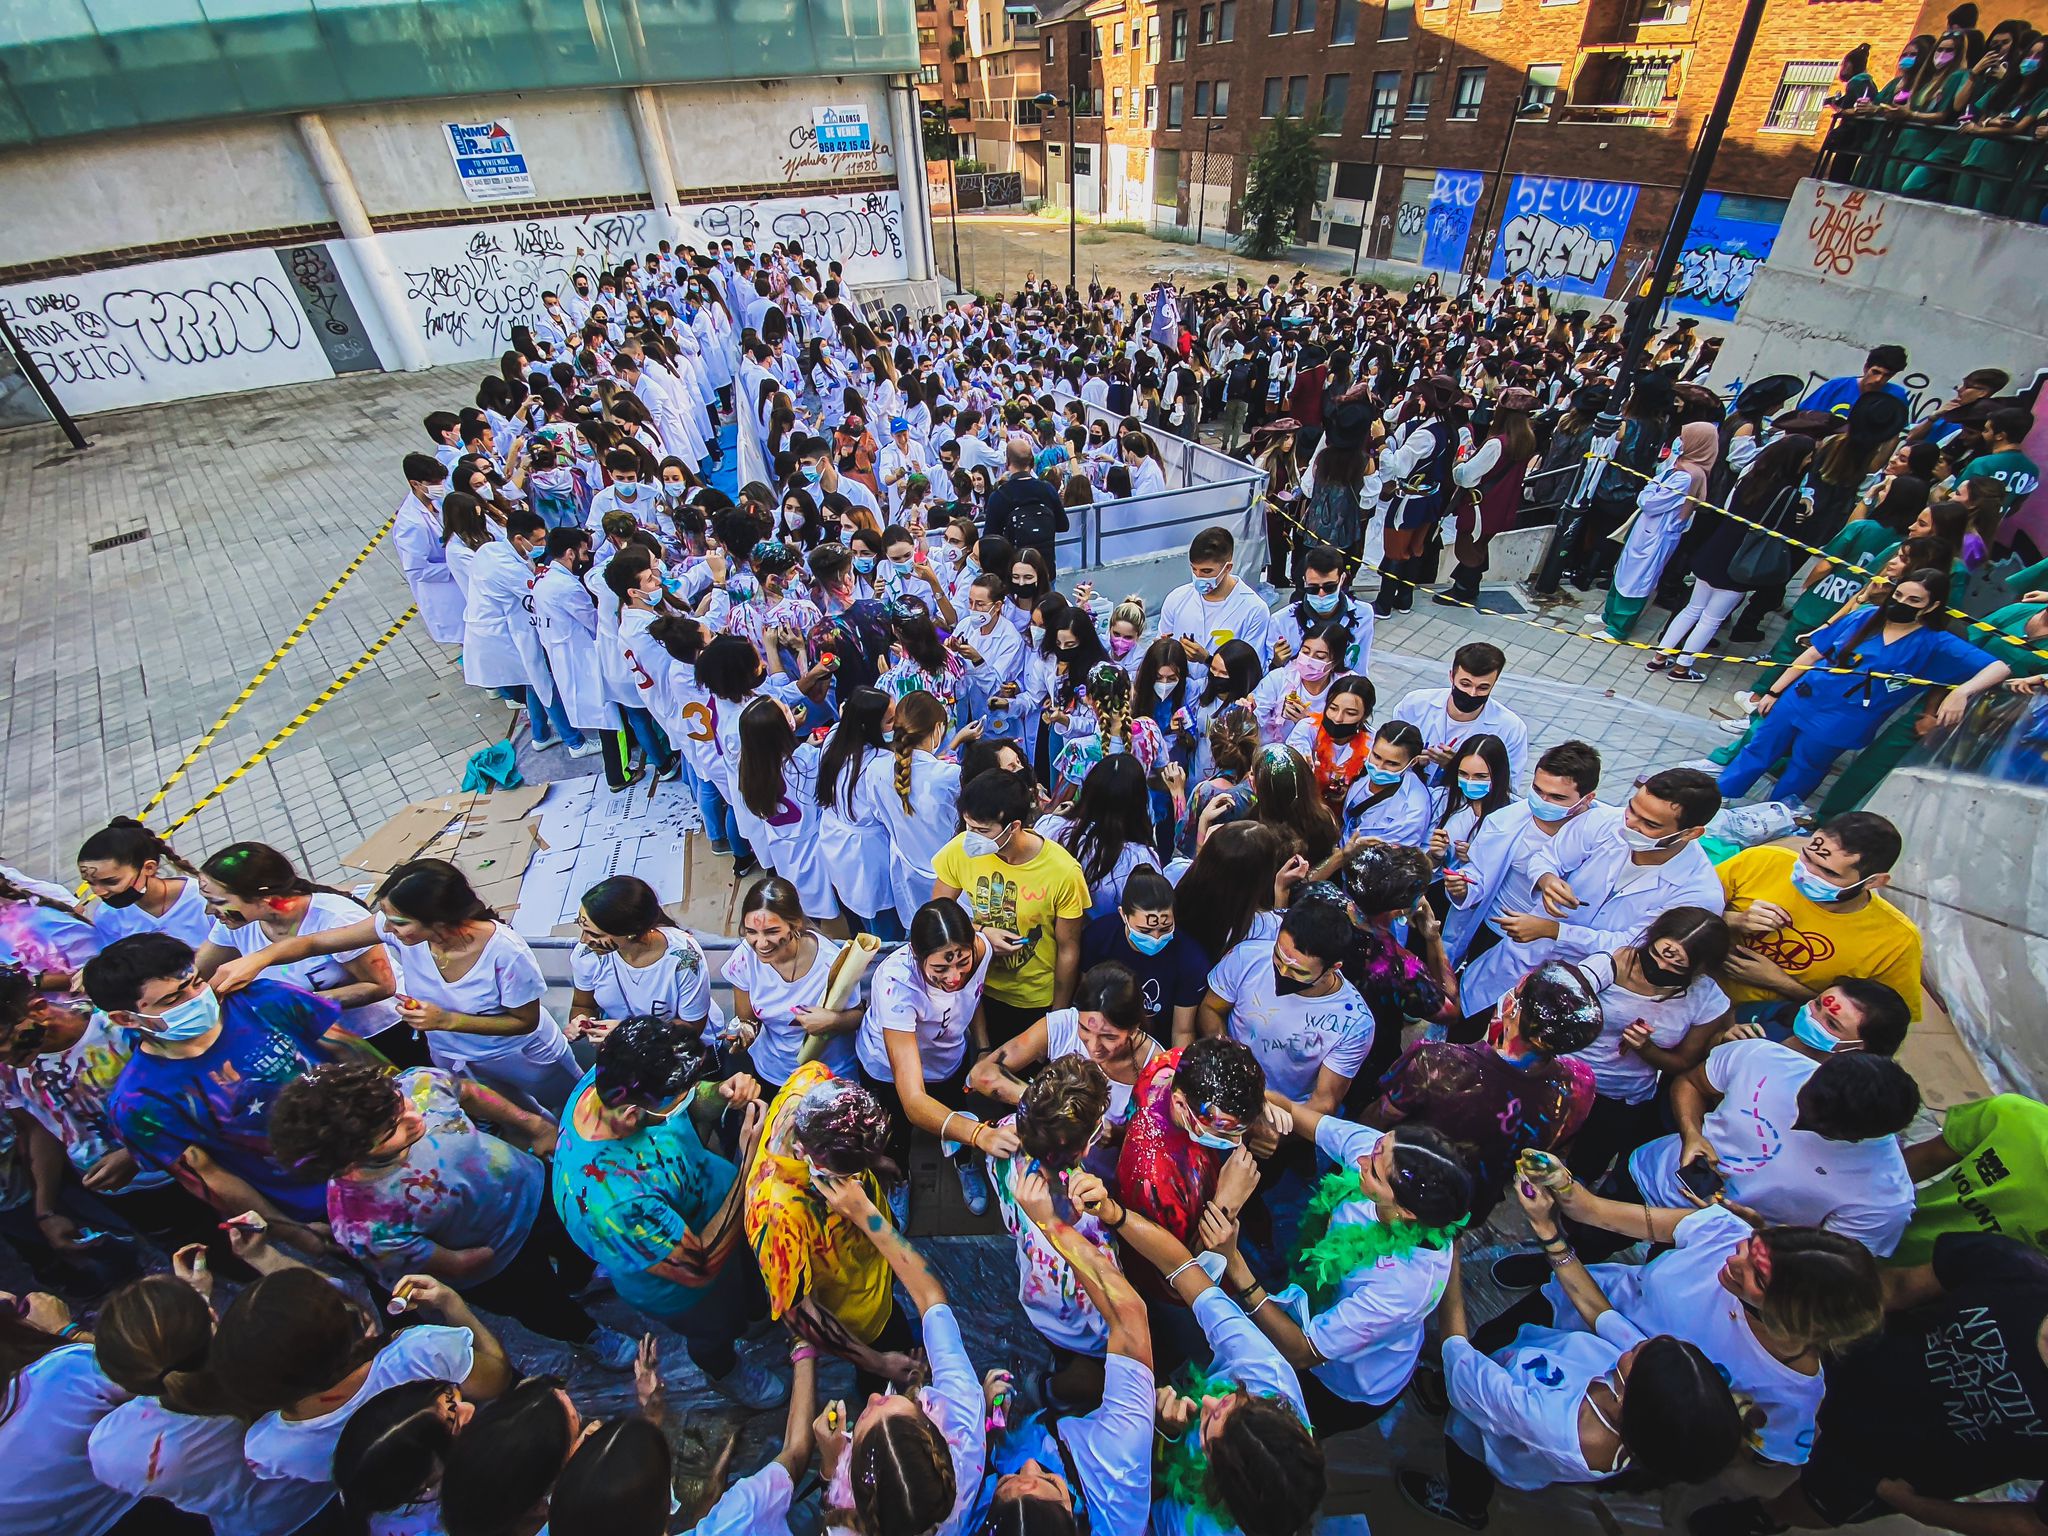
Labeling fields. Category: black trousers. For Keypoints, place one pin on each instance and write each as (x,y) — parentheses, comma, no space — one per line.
(538,1287)
(949,1091)
(1329,1414)
(1613,1130)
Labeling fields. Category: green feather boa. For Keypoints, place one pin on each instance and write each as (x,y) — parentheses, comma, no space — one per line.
(1329,1250)
(1181,1467)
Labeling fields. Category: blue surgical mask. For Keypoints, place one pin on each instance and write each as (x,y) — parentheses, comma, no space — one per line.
(1809,1030)
(979,845)
(1382,777)
(865,564)
(1214,1143)
(1473,789)
(1543,810)
(1813,888)
(1149,943)
(628,491)
(811,473)
(189,1019)
(1207,585)
(1324,602)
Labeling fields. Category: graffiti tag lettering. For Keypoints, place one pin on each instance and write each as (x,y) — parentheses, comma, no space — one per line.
(1543,248)
(1716,277)
(1843,232)
(202,324)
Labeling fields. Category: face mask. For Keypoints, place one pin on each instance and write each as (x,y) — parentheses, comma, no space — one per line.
(1543,810)
(1473,789)
(865,564)
(1164,691)
(1657,973)
(1642,842)
(189,1019)
(811,473)
(126,898)
(1311,669)
(1382,777)
(1896,612)
(792,520)
(2028,66)
(1324,602)
(538,554)
(1808,1030)
(1037,635)
(1813,888)
(1120,646)
(1207,585)
(1287,985)
(979,845)
(1341,731)
(1214,1143)
(1943,57)
(1148,943)
(1466,703)
(627,491)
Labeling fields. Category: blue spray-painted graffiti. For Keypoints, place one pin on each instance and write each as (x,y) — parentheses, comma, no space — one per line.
(1727,244)
(1452,202)
(1562,233)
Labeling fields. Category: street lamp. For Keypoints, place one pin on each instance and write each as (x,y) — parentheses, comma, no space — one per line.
(1524,109)
(1043,100)
(935,116)
(1202,198)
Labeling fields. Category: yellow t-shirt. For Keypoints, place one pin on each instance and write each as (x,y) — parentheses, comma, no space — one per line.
(803,1246)
(1824,943)
(1024,899)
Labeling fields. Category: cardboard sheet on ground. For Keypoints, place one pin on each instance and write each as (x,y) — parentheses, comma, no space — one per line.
(589,833)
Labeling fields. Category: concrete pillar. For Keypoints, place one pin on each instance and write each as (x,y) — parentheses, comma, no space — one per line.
(656,164)
(386,293)
(908,134)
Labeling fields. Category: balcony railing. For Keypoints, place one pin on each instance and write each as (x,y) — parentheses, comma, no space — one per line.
(1626,85)
(1991,173)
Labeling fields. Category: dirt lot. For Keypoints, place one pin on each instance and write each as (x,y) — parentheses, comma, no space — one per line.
(998,252)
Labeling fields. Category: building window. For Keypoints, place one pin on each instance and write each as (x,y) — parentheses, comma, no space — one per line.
(1471,90)
(1174,101)
(1663,12)
(1116,102)
(1283,17)
(1305,15)
(1270,107)
(1049,55)
(1297,96)
(1644,86)
(1166,176)
(1396,20)
(1226,22)
(1151,106)
(927,74)
(1386,103)
(1206,32)
(1221,107)
(1336,97)
(1201,98)
(1484,7)
(1421,91)
(927,37)
(1152,40)
(1344,24)
(1116,40)
(1540,89)
(1100,51)
(1797,105)
(1178,48)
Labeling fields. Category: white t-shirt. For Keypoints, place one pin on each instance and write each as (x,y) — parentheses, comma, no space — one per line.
(320,973)
(1239,616)
(1051,1297)
(1293,1037)
(52,1409)
(1681,1293)
(1371,1334)
(185,918)
(751,1505)
(304,1448)
(1858,1188)
(1063,1038)
(1111,1449)
(677,985)
(534,1065)
(902,1000)
(1623,1075)
(777,1003)
(1519,1411)
(1429,711)
(1104,894)
(145,1449)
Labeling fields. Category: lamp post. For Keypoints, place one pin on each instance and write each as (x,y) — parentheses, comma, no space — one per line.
(1523,110)
(1374,130)
(934,116)
(1043,100)
(1202,198)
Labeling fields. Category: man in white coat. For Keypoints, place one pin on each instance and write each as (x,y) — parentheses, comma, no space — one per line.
(566,620)
(500,646)
(1469,707)
(422,553)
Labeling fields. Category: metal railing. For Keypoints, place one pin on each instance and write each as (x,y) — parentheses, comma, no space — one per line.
(2009,177)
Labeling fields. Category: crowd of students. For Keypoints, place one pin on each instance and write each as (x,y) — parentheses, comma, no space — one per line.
(1238,994)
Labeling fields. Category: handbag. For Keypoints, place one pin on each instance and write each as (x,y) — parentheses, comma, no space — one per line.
(1763,559)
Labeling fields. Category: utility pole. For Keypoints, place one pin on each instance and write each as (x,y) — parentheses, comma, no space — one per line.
(1202,198)
(41,386)
(936,116)
(1046,99)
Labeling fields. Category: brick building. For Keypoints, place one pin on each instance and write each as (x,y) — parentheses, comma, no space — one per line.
(1433,108)
(980,67)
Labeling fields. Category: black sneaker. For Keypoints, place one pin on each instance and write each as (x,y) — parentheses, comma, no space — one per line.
(1732,1517)
(1520,1271)
(1430,1391)
(1432,1495)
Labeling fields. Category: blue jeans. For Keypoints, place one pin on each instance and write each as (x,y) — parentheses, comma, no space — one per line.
(653,744)
(1782,733)
(550,719)
(720,824)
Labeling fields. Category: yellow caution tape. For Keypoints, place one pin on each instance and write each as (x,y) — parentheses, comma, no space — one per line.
(291,726)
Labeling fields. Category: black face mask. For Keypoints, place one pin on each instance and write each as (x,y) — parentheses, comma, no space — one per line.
(1656,973)
(1896,612)
(126,898)
(1287,986)
(1023,594)
(1466,703)
(1343,732)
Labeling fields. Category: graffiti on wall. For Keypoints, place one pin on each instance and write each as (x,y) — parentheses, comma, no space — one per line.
(166,330)
(324,297)
(1726,247)
(1447,222)
(1843,229)
(1562,233)
(801,159)
(862,230)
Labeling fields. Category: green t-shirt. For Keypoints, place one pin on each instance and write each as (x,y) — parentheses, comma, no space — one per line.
(2012,618)
(1865,544)
(1024,899)
(2020,475)
(2000,1185)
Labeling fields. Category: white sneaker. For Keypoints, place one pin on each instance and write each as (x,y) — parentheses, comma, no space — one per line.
(752,1388)
(973,1184)
(612,1349)
(588,749)
(1732,727)
(1744,700)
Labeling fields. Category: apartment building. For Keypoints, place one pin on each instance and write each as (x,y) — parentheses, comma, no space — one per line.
(981,69)
(1547,136)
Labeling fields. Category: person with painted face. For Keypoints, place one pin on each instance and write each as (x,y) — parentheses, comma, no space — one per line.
(1325,598)
(123,866)
(1170,970)
(1649,864)
(1806,917)
(194,1100)
(1802,1131)
(501,647)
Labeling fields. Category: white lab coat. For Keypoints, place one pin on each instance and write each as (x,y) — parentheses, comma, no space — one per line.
(1662,512)
(787,840)
(620,687)
(915,836)
(417,534)
(567,621)
(500,646)
(855,844)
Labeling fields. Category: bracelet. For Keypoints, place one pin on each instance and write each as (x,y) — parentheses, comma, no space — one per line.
(1124,1215)
(1555,1240)
(803,1352)
(70,1330)
(946,1122)
(1254,1312)
(1559,1257)
(43,1216)
(1180,1269)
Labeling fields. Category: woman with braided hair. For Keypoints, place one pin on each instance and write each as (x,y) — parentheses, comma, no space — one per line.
(912,792)
(123,865)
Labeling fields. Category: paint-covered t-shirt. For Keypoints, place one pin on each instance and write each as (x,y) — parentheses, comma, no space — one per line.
(220,1100)
(458,1186)
(67,1092)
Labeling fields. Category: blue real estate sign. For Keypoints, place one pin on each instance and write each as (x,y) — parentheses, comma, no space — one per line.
(842,130)
(488,160)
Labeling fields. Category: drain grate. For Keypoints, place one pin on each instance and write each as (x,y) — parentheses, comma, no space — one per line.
(132,536)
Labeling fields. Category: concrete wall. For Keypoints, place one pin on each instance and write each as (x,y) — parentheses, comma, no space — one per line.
(1958,289)
(760,131)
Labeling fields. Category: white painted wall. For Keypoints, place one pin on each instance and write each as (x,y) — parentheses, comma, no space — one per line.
(1958,289)
(122,190)
(166,330)
(760,131)
(863,230)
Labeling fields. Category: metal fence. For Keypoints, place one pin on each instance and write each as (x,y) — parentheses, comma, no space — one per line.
(1998,174)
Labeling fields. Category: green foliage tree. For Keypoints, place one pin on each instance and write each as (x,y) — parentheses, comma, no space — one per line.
(938,137)
(1279,182)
